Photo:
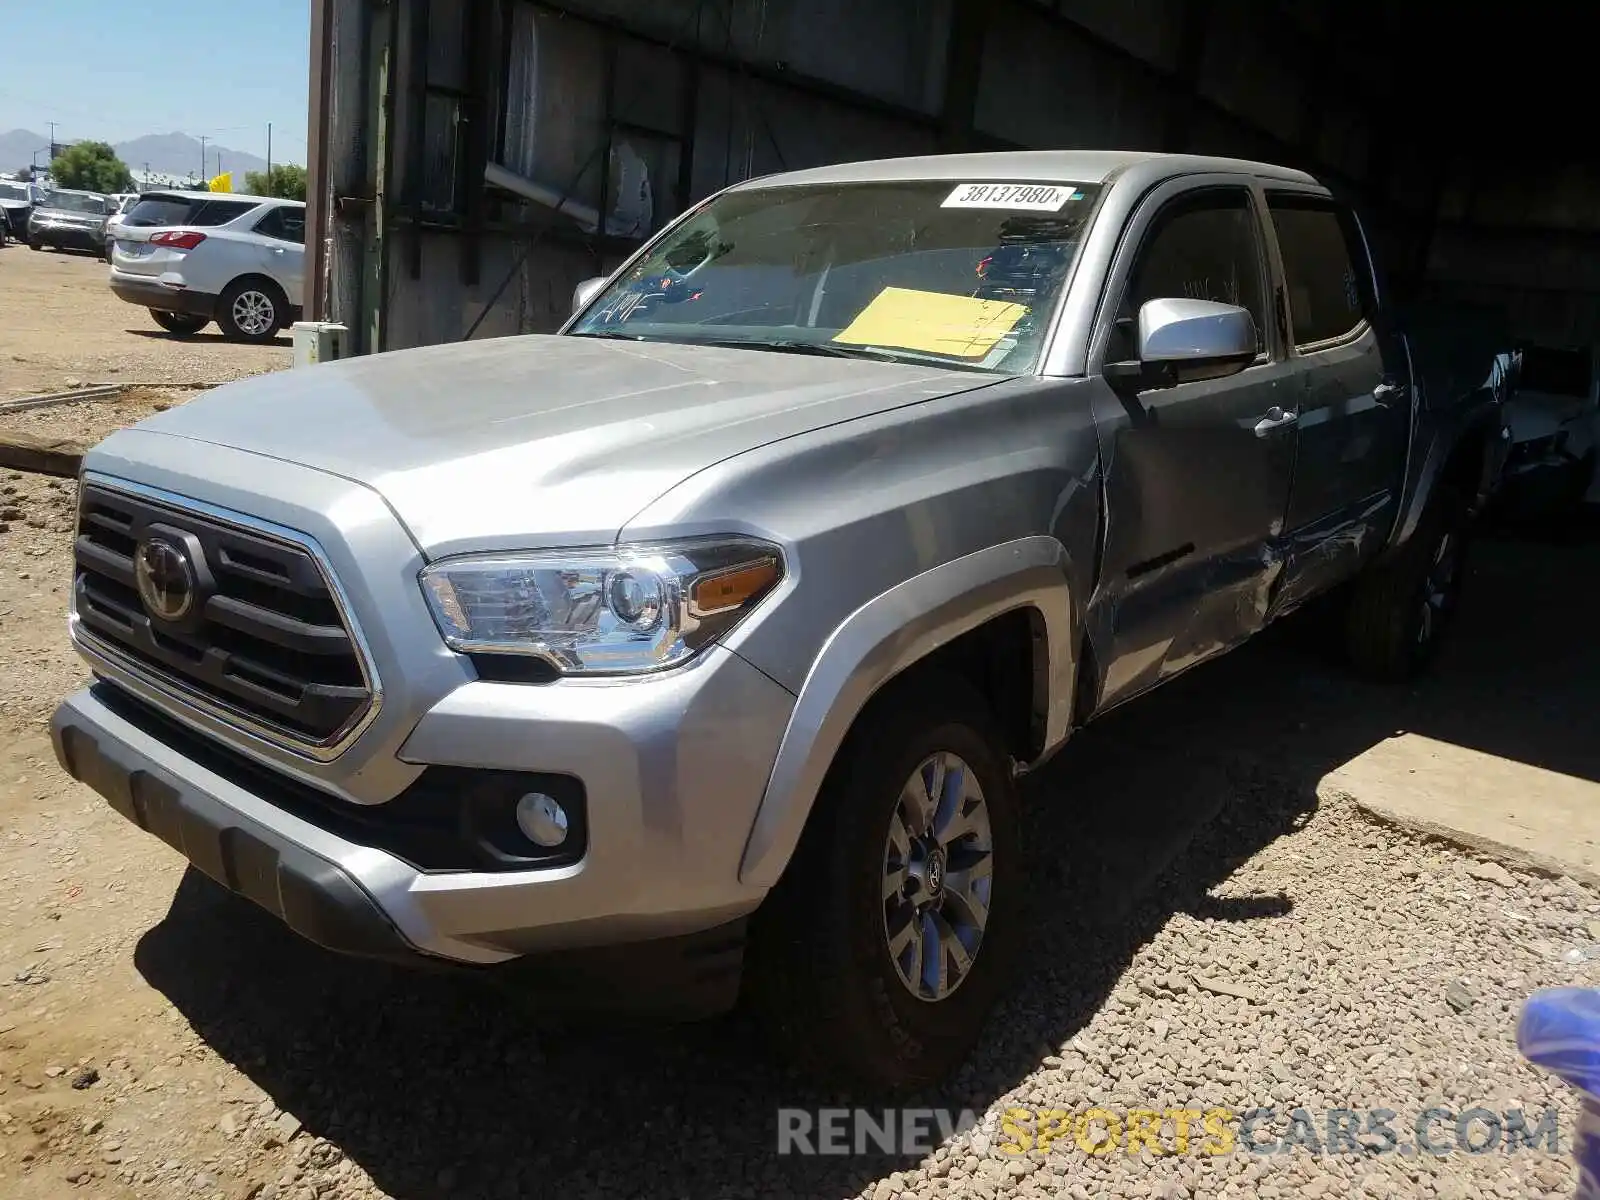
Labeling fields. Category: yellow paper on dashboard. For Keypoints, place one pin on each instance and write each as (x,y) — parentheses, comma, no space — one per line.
(932,322)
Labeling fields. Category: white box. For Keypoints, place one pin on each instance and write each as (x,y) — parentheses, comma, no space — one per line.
(318,341)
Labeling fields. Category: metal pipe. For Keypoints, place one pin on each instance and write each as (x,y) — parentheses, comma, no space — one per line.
(587,218)
(319,188)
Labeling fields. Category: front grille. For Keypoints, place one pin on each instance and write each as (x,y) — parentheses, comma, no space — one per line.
(264,640)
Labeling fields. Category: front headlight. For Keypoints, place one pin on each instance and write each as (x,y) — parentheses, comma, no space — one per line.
(618,611)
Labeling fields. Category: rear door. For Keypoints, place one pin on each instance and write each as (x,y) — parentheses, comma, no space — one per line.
(1355,402)
(282,234)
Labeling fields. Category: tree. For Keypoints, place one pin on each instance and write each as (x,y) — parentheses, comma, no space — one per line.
(91,167)
(287,181)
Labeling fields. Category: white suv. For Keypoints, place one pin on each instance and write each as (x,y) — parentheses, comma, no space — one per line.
(196,257)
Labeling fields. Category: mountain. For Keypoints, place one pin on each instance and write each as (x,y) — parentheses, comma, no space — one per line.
(179,154)
(174,154)
(17,147)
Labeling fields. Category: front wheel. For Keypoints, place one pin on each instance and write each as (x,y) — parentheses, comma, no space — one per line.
(178,323)
(1400,610)
(882,950)
(252,310)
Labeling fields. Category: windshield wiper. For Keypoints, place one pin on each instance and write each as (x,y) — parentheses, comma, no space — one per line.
(796,346)
(607,333)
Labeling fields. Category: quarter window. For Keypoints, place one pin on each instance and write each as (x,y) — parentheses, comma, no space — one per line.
(1329,293)
(1202,246)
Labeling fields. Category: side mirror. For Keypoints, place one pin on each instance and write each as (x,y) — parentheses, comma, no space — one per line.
(1182,341)
(585,292)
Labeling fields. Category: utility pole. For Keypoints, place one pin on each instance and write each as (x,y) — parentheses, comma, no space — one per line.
(52,141)
(269,156)
(203,156)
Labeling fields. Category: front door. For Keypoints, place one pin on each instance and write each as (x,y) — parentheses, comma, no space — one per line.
(1197,474)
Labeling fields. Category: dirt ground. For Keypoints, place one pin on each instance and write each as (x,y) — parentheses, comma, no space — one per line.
(60,326)
(1202,932)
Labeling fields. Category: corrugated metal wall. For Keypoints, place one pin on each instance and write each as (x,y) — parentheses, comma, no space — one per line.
(639,107)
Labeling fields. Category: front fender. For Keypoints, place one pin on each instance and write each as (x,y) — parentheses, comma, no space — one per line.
(889,634)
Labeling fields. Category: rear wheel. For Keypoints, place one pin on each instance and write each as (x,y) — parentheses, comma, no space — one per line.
(252,310)
(1400,610)
(180,323)
(880,953)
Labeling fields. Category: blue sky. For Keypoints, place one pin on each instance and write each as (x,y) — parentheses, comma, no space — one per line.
(110,70)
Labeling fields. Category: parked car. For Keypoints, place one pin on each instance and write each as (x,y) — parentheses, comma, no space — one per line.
(16,202)
(66,219)
(116,206)
(1553,411)
(196,257)
(706,638)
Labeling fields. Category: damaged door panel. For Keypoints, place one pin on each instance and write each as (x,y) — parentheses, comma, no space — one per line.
(1196,472)
(1356,405)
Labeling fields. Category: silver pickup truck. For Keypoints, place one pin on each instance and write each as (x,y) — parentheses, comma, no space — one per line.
(701,645)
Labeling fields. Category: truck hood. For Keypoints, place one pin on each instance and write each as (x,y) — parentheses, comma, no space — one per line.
(541,440)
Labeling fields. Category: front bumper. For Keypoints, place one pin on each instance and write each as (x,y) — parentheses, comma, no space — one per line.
(79,236)
(220,829)
(233,821)
(151,293)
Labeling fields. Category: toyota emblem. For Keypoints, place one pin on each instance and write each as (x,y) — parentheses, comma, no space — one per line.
(165,577)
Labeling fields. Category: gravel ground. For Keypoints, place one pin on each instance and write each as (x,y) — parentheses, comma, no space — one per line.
(62,324)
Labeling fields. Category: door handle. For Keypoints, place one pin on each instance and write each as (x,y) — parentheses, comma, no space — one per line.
(1276,418)
(1387,392)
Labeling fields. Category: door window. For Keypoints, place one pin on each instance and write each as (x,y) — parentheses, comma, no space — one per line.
(1329,292)
(284,225)
(1201,246)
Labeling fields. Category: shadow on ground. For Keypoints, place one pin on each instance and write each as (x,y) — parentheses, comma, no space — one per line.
(206,337)
(437,1088)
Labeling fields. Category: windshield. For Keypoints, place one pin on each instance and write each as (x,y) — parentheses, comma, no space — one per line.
(75,202)
(14,191)
(959,274)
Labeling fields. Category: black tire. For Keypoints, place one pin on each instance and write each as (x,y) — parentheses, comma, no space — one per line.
(35,244)
(179,323)
(821,972)
(1401,609)
(229,312)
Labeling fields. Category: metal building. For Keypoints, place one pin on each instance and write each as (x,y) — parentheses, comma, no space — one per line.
(604,118)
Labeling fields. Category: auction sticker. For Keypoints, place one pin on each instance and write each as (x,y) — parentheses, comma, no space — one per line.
(1032,197)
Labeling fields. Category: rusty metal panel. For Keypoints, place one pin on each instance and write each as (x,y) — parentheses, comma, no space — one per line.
(1253,70)
(1043,84)
(1149,29)
(439,308)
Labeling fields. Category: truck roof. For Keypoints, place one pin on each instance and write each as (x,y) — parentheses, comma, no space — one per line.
(1046,166)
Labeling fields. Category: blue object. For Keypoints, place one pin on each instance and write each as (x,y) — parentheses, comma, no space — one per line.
(1560,1031)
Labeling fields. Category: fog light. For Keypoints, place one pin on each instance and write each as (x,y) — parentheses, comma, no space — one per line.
(542,820)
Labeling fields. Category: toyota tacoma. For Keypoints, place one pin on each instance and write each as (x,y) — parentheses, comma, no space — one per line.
(697,649)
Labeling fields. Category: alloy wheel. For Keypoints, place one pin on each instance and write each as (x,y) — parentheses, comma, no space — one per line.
(938,875)
(254,313)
